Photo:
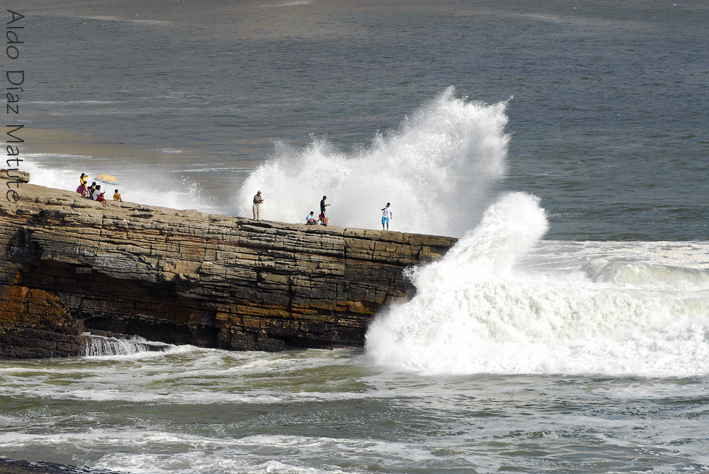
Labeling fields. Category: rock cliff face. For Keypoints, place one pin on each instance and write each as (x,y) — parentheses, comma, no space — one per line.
(69,265)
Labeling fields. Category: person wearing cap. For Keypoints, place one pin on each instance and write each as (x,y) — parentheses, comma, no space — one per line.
(257,206)
(322,208)
(386,216)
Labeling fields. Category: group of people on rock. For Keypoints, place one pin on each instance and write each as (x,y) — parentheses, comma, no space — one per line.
(322,219)
(94,191)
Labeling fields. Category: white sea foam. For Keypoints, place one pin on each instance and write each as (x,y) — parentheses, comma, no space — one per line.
(436,170)
(153,451)
(477,311)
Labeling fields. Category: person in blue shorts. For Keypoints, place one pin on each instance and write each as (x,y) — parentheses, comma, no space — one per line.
(386,216)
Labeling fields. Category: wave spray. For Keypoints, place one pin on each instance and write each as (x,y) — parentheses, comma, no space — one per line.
(436,169)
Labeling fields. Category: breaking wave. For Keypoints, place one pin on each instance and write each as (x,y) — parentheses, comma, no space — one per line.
(503,301)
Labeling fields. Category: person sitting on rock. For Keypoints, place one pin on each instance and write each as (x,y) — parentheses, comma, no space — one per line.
(117,197)
(310,219)
(98,196)
(90,191)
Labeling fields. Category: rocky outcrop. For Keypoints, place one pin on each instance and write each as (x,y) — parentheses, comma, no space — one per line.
(69,265)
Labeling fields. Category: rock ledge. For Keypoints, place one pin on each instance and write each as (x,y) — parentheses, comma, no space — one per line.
(69,265)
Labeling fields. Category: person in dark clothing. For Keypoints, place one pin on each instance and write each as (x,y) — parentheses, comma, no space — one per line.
(322,208)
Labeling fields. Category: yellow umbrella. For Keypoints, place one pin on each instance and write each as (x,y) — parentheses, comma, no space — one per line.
(107,179)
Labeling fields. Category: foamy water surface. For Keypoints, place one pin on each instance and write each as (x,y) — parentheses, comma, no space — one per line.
(195,410)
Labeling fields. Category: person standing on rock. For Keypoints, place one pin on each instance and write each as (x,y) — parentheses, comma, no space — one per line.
(386,216)
(257,206)
(322,209)
(82,185)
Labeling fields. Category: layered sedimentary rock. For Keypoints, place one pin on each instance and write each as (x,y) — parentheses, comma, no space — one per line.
(70,265)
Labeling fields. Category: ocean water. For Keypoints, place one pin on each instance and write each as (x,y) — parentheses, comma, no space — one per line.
(566,145)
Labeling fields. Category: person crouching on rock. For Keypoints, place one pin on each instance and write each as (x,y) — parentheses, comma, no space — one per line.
(310,219)
(117,197)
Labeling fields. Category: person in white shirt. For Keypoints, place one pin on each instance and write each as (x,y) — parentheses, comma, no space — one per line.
(386,216)
(257,206)
(98,196)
